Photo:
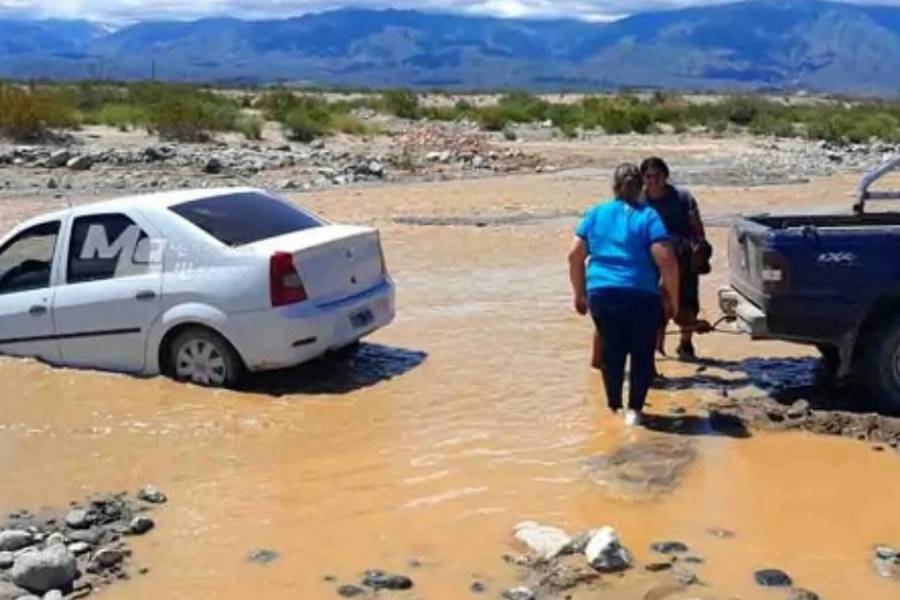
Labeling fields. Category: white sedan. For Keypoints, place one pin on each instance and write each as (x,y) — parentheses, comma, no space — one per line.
(201,285)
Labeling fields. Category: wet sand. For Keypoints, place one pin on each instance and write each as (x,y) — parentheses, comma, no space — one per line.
(475,410)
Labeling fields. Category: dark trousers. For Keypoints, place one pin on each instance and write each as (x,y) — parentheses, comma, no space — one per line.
(628,320)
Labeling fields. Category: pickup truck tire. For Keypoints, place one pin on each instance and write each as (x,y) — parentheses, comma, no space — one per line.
(882,363)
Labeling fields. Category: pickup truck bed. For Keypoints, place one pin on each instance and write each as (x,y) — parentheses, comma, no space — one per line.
(832,281)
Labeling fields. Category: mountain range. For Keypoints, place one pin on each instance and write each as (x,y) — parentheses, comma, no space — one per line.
(758,44)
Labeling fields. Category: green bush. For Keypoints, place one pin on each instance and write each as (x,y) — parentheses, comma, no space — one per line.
(767,124)
(191,118)
(304,124)
(29,114)
(347,123)
(492,118)
(251,126)
(401,103)
(122,116)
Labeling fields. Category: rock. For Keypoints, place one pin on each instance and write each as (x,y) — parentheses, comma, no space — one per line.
(384,581)
(798,410)
(544,541)
(605,553)
(52,184)
(659,566)
(263,556)
(519,593)
(9,591)
(718,532)
(44,570)
(478,162)
(684,576)
(58,159)
(53,595)
(108,557)
(887,561)
(477,587)
(669,548)
(317,144)
(141,525)
(55,538)
(91,536)
(79,548)
(80,163)
(15,539)
(350,591)
(6,560)
(772,578)
(213,166)
(802,594)
(578,543)
(79,519)
(152,495)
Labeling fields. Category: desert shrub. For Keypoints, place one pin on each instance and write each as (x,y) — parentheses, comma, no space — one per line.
(491,118)
(347,123)
(521,107)
(191,118)
(120,115)
(305,124)
(250,125)
(29,114)
(401,103)
(768,124)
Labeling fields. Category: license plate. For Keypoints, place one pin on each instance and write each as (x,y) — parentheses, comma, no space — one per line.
(362,318)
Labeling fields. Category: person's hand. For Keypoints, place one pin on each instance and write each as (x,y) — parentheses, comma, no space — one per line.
(581,304)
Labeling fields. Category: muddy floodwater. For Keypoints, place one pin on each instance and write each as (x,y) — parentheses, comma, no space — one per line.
(474,411)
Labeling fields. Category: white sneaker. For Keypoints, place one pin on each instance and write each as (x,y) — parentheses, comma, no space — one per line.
(632,418)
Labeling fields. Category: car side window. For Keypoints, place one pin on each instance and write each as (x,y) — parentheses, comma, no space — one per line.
(26,261)
(106,246)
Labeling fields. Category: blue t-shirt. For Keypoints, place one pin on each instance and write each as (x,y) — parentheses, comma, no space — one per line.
(618,236)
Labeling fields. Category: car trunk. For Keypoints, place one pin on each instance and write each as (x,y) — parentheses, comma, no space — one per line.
(334,262)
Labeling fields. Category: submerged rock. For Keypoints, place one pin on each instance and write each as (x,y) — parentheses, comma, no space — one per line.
(669,548)
(644,468)
(543,540)
(44,570)
(605,553)
(350,591)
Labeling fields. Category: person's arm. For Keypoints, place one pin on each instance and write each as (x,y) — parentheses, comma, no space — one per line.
(577,257)
(696,223)
(667,263)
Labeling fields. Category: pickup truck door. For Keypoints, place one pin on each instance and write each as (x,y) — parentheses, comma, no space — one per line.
(27,262)
(110,292)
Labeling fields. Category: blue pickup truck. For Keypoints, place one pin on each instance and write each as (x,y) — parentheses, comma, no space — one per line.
(832,281)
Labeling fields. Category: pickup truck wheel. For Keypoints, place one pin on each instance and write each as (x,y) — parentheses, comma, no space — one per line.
(882,363)
(830,362)
(204,357)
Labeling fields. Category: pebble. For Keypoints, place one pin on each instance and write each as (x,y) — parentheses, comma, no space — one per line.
(350,591)
(53,595)
(772,578)
(519,593)
(6,560)
(56,538)
(658,566)
(152,495)
(141,525)
(108,557)
(669,548)
(684,576)
(383,581)
(477,587)
(263,556)
(79,548)
(605,553)
(544,541)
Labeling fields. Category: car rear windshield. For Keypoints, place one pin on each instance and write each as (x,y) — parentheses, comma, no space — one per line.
(244,218)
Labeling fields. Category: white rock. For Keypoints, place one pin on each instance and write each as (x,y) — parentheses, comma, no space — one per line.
(542,540)
(605,552)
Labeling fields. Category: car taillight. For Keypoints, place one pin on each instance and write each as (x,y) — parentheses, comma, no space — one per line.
(774,272)
(285,285)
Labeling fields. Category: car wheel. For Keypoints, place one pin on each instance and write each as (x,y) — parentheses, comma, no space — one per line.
(204,357)
(882,363)
(830,363)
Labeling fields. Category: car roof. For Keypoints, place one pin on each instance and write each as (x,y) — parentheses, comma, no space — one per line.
(155,201)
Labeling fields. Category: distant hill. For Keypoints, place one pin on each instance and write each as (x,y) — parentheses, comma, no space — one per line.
(797,44)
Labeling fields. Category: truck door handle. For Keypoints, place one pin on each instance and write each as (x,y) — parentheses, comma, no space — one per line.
(37,310)
(145,295)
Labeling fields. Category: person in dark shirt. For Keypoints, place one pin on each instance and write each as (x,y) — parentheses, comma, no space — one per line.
(679,212)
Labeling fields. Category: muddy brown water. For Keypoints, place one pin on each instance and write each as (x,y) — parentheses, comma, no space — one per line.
(473,411)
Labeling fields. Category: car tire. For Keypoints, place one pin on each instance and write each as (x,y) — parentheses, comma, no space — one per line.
(202,356)
(882,363)
(830,363)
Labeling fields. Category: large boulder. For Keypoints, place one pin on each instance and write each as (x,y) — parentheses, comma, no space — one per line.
(44,570)
(14,539)
(58,158)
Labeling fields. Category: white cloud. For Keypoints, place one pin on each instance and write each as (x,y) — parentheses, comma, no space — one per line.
(142,10)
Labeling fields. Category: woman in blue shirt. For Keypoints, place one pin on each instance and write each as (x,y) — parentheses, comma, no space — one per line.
(621,249)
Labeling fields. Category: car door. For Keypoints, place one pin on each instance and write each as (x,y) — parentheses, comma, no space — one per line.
(110,293)
(26,276)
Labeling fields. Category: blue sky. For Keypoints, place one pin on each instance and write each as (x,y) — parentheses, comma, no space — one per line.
(118,11)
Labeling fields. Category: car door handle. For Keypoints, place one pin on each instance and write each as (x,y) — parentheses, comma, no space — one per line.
(145,295)
(37,310)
